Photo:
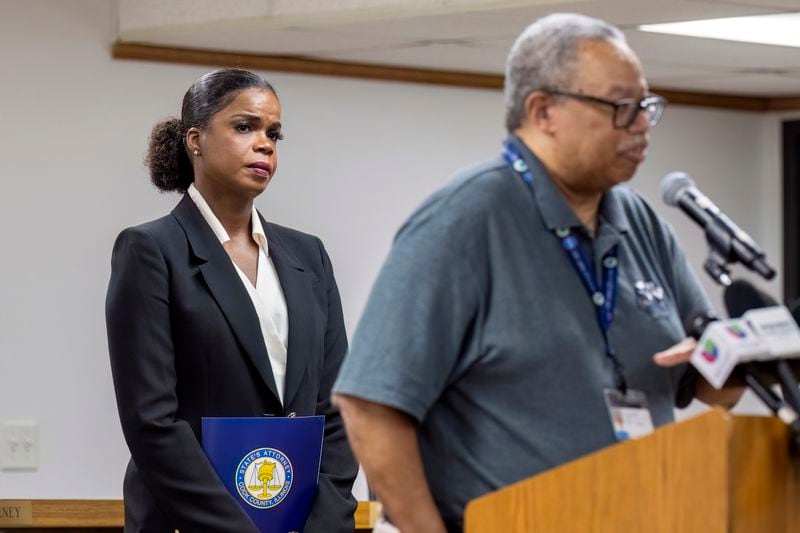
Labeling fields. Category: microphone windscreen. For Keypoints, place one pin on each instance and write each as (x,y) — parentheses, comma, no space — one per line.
(741,296)
(672,185)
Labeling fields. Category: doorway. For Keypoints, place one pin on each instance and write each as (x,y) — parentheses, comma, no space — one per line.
(791,211)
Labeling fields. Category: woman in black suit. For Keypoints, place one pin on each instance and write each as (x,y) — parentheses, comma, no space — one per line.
(212,311)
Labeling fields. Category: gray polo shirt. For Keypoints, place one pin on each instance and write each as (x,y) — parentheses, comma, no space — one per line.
(479,328)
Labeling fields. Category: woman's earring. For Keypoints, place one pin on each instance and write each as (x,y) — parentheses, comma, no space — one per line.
(196,152)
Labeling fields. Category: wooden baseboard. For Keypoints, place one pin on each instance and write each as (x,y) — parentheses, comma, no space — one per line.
(105,516)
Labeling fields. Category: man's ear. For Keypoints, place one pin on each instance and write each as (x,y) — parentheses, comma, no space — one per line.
(539,111)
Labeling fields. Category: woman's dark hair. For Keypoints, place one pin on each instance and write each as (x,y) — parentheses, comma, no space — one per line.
(167,157)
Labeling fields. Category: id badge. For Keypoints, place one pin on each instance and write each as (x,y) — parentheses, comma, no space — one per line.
(629,413)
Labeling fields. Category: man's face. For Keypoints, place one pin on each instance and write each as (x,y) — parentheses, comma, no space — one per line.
(593,155)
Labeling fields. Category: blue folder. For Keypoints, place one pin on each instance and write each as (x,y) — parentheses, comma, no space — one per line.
(269,465)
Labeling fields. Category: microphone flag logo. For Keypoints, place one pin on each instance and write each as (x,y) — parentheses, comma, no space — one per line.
(737,331)
(710,351)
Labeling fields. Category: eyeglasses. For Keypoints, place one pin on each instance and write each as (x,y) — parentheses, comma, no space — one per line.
(626,109)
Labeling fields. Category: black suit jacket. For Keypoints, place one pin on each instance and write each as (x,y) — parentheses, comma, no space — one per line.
(185,342)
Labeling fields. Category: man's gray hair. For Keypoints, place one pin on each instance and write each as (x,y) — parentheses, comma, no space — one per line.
(545,55)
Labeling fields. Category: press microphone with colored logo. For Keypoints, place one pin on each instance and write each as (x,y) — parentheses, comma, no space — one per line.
(775,325)
(722,345)
(728,242)
(714,353)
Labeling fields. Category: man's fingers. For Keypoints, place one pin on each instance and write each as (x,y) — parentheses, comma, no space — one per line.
(677,354)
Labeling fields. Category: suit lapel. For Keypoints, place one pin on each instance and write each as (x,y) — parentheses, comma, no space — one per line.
(225,285)
(296,284)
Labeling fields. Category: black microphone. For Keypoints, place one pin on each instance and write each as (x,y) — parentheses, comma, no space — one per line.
(726,239)
(740,297)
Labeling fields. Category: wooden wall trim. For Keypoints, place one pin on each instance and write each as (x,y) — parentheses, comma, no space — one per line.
(784,104)
(719,101)
(452,78)
(70,513)
(81,514)
(302,65)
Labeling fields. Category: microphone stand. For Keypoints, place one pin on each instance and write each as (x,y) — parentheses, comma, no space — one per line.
(716,267)
(720,254)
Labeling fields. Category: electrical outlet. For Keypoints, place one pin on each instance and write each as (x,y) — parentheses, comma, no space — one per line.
(19,445)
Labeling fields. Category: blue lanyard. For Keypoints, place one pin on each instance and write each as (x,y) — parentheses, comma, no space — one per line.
(603,299)
(603,296)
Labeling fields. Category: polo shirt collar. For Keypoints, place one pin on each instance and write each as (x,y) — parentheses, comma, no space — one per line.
(612,212)
(553,207)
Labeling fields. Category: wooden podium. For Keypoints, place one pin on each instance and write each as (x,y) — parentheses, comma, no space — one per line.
(715,473)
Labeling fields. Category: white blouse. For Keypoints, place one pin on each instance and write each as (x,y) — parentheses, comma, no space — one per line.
(267,295)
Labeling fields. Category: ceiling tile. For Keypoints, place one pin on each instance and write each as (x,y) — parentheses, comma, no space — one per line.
(143,14)
(475,40)
(659,74)
(252,37)
(440,27)
(712,53)
(789,5)
(441,57)
(631,13)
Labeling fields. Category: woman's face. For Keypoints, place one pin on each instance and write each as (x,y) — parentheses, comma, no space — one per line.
(238,151)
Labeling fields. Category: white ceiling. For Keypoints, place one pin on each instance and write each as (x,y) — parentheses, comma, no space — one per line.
(466,35)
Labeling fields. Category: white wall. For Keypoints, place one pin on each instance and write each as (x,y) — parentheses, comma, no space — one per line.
(730,155)
(358,157)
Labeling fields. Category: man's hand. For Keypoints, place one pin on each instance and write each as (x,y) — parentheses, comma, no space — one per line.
(727,396)
(677,354)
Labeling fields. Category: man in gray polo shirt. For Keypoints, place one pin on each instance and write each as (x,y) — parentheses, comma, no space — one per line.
(518,296)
